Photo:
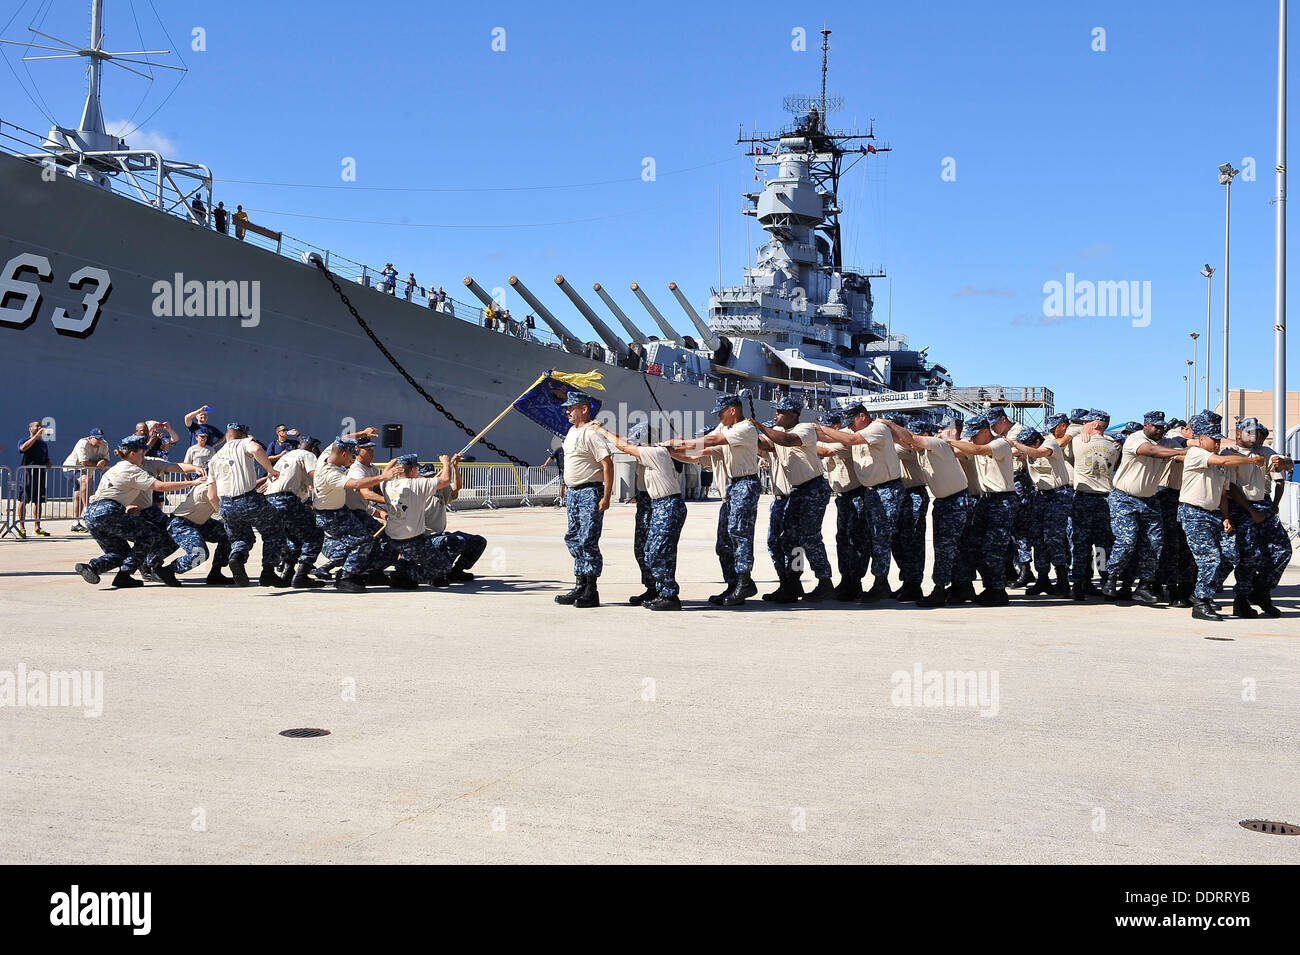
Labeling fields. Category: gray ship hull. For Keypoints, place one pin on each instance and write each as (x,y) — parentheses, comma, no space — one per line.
(305,362)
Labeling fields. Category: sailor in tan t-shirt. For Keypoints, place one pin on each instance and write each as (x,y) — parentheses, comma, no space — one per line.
(1095,456)
(232,480)
(995,509)
(798,531)
(1263,545)
(1203,507)
(1177,570)
(588,481)
(851,541)
(732,451)
(1134,514)
(657,473)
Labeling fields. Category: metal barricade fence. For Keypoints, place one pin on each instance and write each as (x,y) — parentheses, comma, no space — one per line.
(8,502)
(49,491)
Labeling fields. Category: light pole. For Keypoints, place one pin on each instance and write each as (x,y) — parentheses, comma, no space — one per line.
(1192,396)
(1190,378)
(1279,245)
(1226,174)
(1208,272)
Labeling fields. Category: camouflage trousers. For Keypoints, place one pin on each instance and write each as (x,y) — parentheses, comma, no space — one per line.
(882,503)
(1022,529)
(127,540)
(246,513)
(1204,532)
(1139,532)
(851,542)
(966,559)
(349,532)
(585,523)
(908,546)
(951,514)
(664,529)
(999,514)
(735,538)
(194,538)
(461,548)
(800,541)
(1176,564)
(775,524)
(1263,549)
(1050,522)
(303,539)
(422,557)
(641,529)
(1089,525)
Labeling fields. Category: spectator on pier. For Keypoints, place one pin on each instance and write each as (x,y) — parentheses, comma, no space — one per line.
(410,285)
(90,453)
(31,482)
(389,284)
(241,221)
(200,213)
(221,218)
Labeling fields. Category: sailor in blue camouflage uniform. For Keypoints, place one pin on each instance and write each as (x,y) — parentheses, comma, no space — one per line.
(1095,457)
(1176,572)
(288,494)
(966,560)
(775,513)
(908,546)
(1024,528)
(794,448)
(641,526)
(243,509)
(193,525)
(1263,546)
(1053,497)
(113,520)
(1203,508)
(589,482)
(330,484)
(658,474)
(947,484)
(851,536)
(731,450)
(993,460)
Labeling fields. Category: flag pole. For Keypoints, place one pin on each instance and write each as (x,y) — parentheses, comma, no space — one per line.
(493,422)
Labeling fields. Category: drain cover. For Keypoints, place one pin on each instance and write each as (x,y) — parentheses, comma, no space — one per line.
(1271,827)
(305,733)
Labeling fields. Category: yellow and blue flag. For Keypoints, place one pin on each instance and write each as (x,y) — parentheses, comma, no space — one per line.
(541,403)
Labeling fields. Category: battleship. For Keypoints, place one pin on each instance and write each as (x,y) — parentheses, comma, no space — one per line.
(120,301)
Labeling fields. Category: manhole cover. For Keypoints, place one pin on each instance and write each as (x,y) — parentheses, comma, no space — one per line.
(1225,639)
(1272,828)
(304,733)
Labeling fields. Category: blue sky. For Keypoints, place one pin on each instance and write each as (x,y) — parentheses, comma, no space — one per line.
(1066,159)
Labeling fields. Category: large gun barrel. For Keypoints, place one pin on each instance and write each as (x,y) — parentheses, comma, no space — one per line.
(632,330)
(669,332)
(567,338)
(612,341)
(478,292)
(706,333)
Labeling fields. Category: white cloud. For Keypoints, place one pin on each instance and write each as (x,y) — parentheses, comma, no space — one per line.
(142,138)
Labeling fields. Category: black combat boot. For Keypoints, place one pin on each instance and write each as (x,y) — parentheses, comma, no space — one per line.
(376,577)
(401,580)
(1178,596)
(589,597)
(167,575)
(303,580)
(123,579)
(848,590)
(909,593)
(716,599)
(88,573)
(1262,599)
(1078,592)
(1108,591)
(878,592)
(993,597)
(784,593)
(269,578)
(935,598)
(1062,588)
(215,577)
(1125,592)
(1204,609)
(237,574)
(458,576)
(569,596)
(1241,608)
(664,603)
(1040,586)
(1024,576)
(824,590)
(1145,593)
(350,583)
(641,599)
(743,587)
(286,578)
(960,592)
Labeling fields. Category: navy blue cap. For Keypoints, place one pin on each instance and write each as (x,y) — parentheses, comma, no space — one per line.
(1078,415)
(722,402)
(1204,426)
(407,461)
(994,415)
(1056,420)
(1263,432)
(1174,423)
(1029,436)
(788,403)
(1130,427)
(1249,424)
(346,444)
(853,410)
(576,398)
(133,442)
(975,425)
(1155,417)
(96,432)
(1096,414)
(896,417)
(947,421)
(428,470)
(365,443)
(236,426)
(832,419)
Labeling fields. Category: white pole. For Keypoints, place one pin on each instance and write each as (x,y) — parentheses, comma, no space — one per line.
(1227,220)
(1279,242)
